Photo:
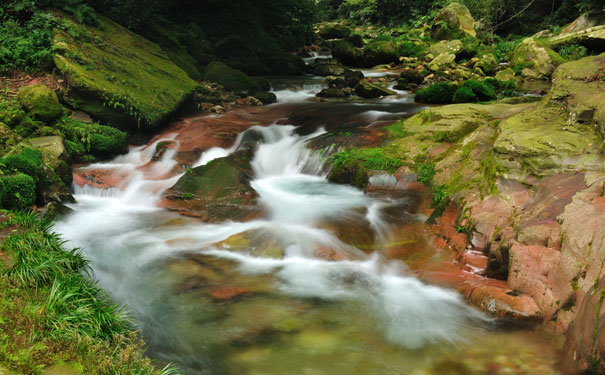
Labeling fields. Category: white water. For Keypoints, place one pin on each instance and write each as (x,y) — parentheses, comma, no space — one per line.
(123,230)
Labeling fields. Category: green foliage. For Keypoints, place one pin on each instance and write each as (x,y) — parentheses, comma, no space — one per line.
(17,191)
(572,52)
(368,158)
(503,49)
(426,172)
(385,12)
(441,199)
(437,93)
(464,95)
(396,131)
(25,38)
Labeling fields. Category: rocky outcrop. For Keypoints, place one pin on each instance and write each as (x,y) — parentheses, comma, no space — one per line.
(116,76)
(592,38)
(453,21)
(535,59)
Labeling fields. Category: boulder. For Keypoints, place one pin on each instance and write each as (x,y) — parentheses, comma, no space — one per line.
(121,78)
(353,77)
(336,82)
(327,67)
(265,97)
(535,59)
(506,75)
(285,65)
(217,191)
(40,102)
(446,46)
(231,79)
(488,64)
(369,90)
(453,21)
(592,38)
(344,51)
(334,93)
(334,30)
(381,52)
(54,155)
(442,62)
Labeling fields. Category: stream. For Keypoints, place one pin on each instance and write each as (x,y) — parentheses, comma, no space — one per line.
(284,293)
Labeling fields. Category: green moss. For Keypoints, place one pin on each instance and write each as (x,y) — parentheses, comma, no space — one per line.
(10,113)
(123,79)
(99,140)
(482,91)
(353,165)
(27,161)
(41,102)
(18,191)
(231,79)
(380,52)
(426,172)
(464,95)
(396,130)
(437,93)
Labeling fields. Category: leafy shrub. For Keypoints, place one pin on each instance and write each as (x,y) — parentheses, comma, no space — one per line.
(437,93)
(572,52)
(503,49)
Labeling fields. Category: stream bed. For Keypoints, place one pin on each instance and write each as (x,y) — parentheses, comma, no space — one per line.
(284,293)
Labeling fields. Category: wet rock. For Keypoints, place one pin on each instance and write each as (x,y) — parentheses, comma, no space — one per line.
(502,303)
(334,30)
(336,82)
(334,93)
(369,90)
(231,79)
(327,67)
(265,97)
(353,77)
(380,52)
(217,191)
(250,101)
(41,102)
(346,52)
(228,294)
(453,21)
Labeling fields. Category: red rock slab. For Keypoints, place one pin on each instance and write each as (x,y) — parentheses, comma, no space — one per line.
(100,178)
(227,293)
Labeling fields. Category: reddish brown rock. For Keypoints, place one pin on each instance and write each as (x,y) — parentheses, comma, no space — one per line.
(227,293)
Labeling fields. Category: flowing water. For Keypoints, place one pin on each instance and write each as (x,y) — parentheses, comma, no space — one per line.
(261,297)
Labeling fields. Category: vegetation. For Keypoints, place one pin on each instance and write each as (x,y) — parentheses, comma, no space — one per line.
(50,311)
(469,91)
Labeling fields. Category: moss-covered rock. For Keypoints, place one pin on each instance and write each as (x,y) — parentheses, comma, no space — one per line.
(54,156)
(40,102)
(265,97)
(464,95)
(217,191)
(535,59)
(488,64)
(592,38)
(23,159)
(17,191)
(99,140)
(346,52)
(446,46)
(453,21)
(369,90)
(231,79)
(116,76)
(442,62)
(506,75)
(334,30)
(327,67)
(380,52)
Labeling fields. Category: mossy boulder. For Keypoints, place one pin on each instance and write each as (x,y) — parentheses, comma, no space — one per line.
(488,64)
(265,97)
(370,90)
(380,52)
(453,21)
(346,52)
(40,102)
(116,76)
(217,191)
(506,75)
(442,62)
(231,79)
(446,46)
(334,30)
(54,156)
(99,140)
(17,191)
(23,159)
(535,59)
(327,67)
